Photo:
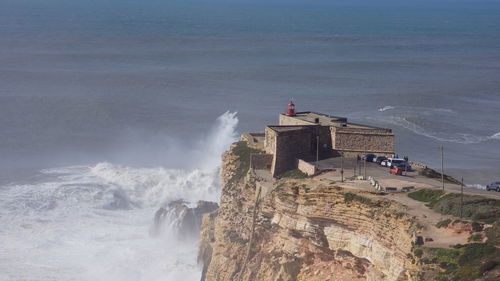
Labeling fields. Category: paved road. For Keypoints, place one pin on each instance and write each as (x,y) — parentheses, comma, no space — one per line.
(379,172)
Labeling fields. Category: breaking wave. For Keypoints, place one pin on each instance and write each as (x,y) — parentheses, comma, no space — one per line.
(92,222)
(477,186)
(462,138)
(404,116)
(385,108)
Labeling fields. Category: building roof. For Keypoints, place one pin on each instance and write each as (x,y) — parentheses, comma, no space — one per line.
(316,118)
(285,128)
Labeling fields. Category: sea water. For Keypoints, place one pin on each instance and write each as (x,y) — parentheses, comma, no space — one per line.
(110,109)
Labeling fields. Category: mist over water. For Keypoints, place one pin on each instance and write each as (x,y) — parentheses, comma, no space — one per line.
(93,222)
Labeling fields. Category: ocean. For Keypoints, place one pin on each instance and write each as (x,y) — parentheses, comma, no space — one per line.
(141,98)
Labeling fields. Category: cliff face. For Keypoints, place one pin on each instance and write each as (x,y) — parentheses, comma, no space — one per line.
(295,232)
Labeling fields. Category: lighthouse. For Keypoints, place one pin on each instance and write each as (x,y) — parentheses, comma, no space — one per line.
(290,111)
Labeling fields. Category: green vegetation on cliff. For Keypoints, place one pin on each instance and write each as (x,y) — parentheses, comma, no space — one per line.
(243,152)
(469,261)
(295,174)
(430,173)
(474,207)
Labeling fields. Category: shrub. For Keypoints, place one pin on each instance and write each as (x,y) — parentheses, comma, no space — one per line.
(243,152)
(426,195)
(475,252)
(493,233)
(474,207)
(418,252)
(294,174)
(476,227)
(487,266)
(443,223)
(475,237)
(349,196)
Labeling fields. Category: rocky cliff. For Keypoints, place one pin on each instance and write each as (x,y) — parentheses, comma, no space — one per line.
(292,231)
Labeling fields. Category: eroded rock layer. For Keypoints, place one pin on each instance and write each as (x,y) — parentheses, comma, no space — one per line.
(299,233)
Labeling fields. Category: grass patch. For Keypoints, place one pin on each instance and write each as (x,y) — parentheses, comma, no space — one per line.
(426,195)
(476,251)
(463,262)
(430,173)
(349,197)
(475,237)
(476,208)
(443,223)
(295,174)
(243,152)
(493,234)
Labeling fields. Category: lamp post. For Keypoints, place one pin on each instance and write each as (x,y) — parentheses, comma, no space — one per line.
(462,198)
(341,166)
(364,162)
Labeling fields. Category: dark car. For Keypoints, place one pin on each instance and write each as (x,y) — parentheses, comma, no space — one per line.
(369,157)
(379,159)
(404,166)
(493,186)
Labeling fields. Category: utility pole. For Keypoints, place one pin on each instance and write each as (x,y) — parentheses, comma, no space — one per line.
(442,165)
(342,166)
(355,167)
(317,150)
(462,198)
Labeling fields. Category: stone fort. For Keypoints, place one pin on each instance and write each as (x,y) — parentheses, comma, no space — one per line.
(303,137)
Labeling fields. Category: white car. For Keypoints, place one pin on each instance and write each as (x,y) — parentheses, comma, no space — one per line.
(392,162)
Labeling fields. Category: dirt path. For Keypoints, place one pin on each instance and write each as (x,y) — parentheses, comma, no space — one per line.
(442,237)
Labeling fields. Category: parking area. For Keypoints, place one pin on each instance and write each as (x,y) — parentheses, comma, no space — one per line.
(352,167)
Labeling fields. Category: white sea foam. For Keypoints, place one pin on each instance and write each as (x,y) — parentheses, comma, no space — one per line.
(92,222)
(463,138)
(477,186)
(385,108)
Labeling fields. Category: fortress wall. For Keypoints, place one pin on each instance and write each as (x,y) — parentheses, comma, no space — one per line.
(270,141)
(289,144)
(325,139)
(357,142)
(261,161)
(254,140)
(307,168)
(285,120)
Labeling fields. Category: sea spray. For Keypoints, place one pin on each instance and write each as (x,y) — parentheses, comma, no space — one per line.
(93,222)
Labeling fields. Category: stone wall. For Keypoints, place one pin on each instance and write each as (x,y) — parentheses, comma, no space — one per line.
(261,161)
(288,145)
(254,140)
(270,140)
(285,120)
(356,141)
(306,167)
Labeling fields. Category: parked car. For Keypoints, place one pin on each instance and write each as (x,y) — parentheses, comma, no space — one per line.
(397,170)
(405,166)
(493,186)
(369,157)
(379,159)
(390,162)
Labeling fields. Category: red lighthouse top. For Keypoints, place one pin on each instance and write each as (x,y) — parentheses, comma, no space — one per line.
(291,109)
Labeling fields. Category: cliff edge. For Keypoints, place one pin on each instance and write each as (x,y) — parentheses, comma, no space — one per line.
(287,230)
